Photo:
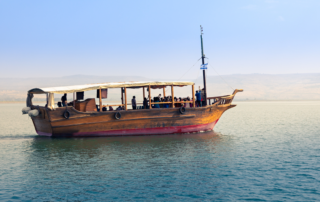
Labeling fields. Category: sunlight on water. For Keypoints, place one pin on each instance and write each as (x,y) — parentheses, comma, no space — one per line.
(258,151)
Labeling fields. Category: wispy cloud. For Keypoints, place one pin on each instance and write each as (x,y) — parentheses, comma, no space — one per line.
(249,7)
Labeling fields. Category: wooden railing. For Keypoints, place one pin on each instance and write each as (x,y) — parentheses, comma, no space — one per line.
(225,99)
(221,100)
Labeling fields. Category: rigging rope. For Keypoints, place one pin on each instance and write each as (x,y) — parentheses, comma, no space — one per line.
(219,75)
(187,71)
(197,78)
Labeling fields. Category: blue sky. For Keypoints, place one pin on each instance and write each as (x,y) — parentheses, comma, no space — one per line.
(158,39)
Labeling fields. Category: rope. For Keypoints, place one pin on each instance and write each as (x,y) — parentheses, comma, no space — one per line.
(186,72)
(220,76)
(197,78)
(189,69)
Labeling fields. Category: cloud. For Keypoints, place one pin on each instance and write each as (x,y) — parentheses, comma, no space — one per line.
(249,7)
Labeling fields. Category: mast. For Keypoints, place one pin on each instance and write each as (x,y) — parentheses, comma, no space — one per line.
(204,71)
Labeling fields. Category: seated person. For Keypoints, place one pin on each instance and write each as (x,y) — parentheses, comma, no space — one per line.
(104,109)
(156,99)
(119,108)
(166,105)
(110,108)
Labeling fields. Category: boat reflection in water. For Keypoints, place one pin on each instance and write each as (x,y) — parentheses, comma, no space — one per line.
(91,168)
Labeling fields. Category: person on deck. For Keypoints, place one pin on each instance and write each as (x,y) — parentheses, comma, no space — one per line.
(110,108)
(198,96)
(165,105)
(156,99)
(176,105)
(134,103)
(203,102)
(145,103)
(64,99)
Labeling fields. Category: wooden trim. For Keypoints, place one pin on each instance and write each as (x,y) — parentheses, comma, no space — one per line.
(149,97)
(97,114)
(224,105)
(100,100)
(125,98)
(171,102)
(193,98)
(112,105)
(163,117)
(164,91)
(184,102)
(224,96)
(172,95)
(161,103)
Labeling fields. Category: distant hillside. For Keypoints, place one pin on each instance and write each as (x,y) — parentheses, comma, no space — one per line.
(268,87)
(256,86)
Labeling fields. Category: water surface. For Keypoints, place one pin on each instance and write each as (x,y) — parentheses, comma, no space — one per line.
(259,151)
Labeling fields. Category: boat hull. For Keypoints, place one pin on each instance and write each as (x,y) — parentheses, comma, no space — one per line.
(132,122)
(151,131)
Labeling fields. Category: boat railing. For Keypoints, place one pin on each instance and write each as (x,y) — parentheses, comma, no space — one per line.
(223,100)
(220,100)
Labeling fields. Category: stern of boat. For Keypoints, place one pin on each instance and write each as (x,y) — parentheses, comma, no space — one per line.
(41,121)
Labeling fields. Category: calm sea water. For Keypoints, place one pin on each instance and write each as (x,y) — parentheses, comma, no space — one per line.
(259,151)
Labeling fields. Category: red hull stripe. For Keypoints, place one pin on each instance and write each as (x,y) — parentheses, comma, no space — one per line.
(146,131)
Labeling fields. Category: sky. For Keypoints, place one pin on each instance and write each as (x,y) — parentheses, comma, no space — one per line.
(158,39)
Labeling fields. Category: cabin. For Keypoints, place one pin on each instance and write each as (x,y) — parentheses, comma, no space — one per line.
(90,105)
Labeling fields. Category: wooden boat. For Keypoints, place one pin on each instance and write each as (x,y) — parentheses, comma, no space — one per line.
(83,118)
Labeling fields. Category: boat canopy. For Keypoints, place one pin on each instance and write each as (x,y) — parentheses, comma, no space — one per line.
(87,87)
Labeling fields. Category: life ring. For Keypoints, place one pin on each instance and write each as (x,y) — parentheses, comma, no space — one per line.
(117,115)
(182,110)
(66,114)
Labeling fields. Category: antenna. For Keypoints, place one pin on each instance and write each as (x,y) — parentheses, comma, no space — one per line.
(201,30)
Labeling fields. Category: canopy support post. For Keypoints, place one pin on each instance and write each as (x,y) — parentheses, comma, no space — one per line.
(47,95)
(193,98)
(164,92)
(149,97)
(121,95)
(74,100)
(143,94)
(125,98)
(100,100)
(172,95)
